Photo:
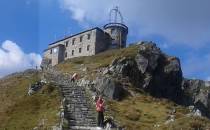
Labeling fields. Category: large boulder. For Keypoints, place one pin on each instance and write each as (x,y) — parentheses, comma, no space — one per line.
(109,88)
(167,78)
(127,67)
(152,70)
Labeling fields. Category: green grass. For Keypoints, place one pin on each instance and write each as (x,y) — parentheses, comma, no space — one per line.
(18,111)
(94,62)
(142,112)
(138,112)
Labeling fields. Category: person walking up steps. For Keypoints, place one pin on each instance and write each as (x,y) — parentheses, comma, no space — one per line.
(74,77)
(100,109)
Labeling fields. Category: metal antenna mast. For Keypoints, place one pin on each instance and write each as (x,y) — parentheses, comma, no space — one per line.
(116,29)
(115,11)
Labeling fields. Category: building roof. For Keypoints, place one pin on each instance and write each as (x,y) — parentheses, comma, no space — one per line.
(53,47)
(97,28)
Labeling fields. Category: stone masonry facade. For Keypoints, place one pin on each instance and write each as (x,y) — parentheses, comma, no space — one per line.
(86,43)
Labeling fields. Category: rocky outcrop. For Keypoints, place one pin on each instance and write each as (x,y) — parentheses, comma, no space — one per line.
(35,87)
(197,93)
(160,75)
(110,88)
(151,70)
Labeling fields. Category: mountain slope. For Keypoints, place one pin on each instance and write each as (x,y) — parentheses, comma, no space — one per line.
(142,87)
(152,81)
(19,111)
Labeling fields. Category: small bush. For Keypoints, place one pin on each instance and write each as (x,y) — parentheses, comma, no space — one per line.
(48,89)
(132,116)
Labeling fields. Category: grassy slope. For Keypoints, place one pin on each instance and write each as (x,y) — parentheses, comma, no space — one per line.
(19,111)
(144,112)
(141,112)
(94,62)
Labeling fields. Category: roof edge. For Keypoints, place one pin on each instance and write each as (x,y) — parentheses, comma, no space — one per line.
(97,28)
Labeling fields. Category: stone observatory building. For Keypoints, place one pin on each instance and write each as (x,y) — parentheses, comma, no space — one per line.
(89,42)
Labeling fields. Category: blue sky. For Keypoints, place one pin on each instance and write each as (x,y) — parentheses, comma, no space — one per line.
(180,28)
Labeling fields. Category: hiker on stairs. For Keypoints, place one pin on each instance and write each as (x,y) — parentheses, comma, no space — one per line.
(74,77)
(100,109)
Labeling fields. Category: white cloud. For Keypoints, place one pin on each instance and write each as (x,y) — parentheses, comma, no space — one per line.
(178,21)
(13,59)
(208,78)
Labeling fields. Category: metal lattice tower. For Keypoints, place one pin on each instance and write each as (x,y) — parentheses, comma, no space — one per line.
(116,29)
(115,16)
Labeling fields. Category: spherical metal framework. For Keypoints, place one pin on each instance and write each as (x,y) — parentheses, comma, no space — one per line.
(117,30)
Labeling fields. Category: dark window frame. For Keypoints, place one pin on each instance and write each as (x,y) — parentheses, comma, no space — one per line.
(67,43)
(88,36)
(80,50)
(66,54)
(88,47)
(112,31)
(73,41)
(80,38)
(72,52)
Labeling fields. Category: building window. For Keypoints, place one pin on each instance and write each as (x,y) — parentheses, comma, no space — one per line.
(65,54)
(88,36)
(73,41)
(112,31)
(72,52)
(50,51)
(80,50)
(80,39)
(67,43)
(88,47)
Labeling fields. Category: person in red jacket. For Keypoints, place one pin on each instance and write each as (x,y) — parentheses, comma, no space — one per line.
(100,109)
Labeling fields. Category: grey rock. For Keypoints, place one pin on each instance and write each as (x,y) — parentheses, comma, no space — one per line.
(142,63)
(152,70)
(109,88)
(106,71)
(197,93)
(197,113)
(85,69)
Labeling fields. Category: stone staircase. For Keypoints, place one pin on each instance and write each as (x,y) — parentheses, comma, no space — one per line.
(78,109)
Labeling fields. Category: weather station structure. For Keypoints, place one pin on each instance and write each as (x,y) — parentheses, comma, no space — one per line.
(116,28)
(89,42)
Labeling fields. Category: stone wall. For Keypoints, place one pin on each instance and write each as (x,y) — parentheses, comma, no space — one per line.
(118,34)
(74,44)
(47,54)
(57,54)
(86,43)
(103,41)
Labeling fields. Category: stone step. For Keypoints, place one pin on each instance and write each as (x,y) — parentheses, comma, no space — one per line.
(85,128)
(80,113)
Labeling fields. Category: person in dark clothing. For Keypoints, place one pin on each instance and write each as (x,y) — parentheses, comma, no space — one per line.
(100,109)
